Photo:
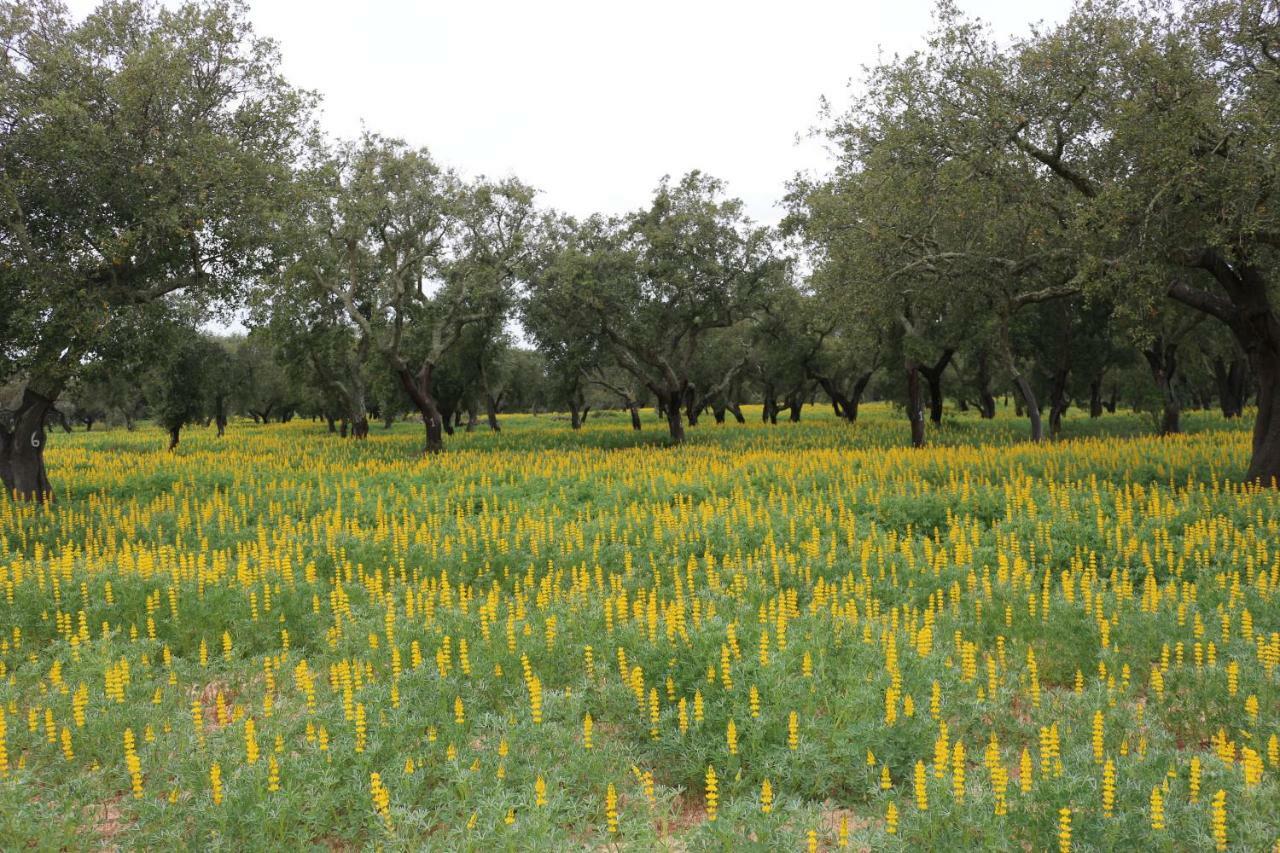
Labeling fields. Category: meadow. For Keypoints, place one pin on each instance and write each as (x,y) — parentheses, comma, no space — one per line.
(800,637)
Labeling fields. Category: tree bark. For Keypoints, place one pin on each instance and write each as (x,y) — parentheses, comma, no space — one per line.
(933,375)
(1058,402)
(419,388)
(1230,381)
(675,420)
(1095,397)
(718,412)
(1031,405)
(635,415)
(1162,358)
(175,432)
(22,470)
(737,413)
(491,411)
(915,405)
(796,402)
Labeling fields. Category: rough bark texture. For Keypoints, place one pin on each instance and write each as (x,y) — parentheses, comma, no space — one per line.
(675,421)
(635,415)
(915,405)
(419,388)
(22,470)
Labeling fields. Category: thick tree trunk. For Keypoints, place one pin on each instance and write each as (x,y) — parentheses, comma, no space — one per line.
(419,388)
(360,427)
(387,420)
(491,412)
(718,412)
(22,470)
(915,405)
(473,418)
(1162,358)
(737,413)
(1095,398)
(1264,467)
(333,424)
(575,415)
(635,415)
(175,432)
(675,421)
(796,402)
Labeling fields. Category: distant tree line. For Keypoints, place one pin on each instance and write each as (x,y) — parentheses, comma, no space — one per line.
(1075,217)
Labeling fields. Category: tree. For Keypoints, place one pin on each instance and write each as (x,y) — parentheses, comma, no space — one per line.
(143,152)
(650,287)
(1158,124)
(178,385)
(415,256)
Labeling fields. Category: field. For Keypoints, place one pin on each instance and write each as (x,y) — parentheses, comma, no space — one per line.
(800,637)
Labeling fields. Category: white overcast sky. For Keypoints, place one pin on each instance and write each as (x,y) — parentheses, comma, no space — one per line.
(592,102)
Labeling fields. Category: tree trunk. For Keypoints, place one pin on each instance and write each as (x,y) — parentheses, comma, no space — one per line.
(718,412)
(175,433)
(915,405)
(360,427)
(1095,398)
(22,470)
(1162,358)
(1230,381)
(986,400)
(933,375)
(1032,406)
(737,413)
(575,415)
(491,411)
(88,424)
(419,388)
(333,424)
(796,403)
(1058,402)
(675,421)
(635,415)
(1264,467)
(473,419)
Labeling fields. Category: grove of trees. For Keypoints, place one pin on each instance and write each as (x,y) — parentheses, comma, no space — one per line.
(1075,216)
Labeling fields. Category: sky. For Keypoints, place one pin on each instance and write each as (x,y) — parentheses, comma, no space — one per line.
(593,102)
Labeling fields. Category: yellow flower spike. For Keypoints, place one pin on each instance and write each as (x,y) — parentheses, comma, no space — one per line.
(921,787)
(215,783)
(890,820)
(766,797)
(712,793)
(611,809)
(1219,820)
(1064,830)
